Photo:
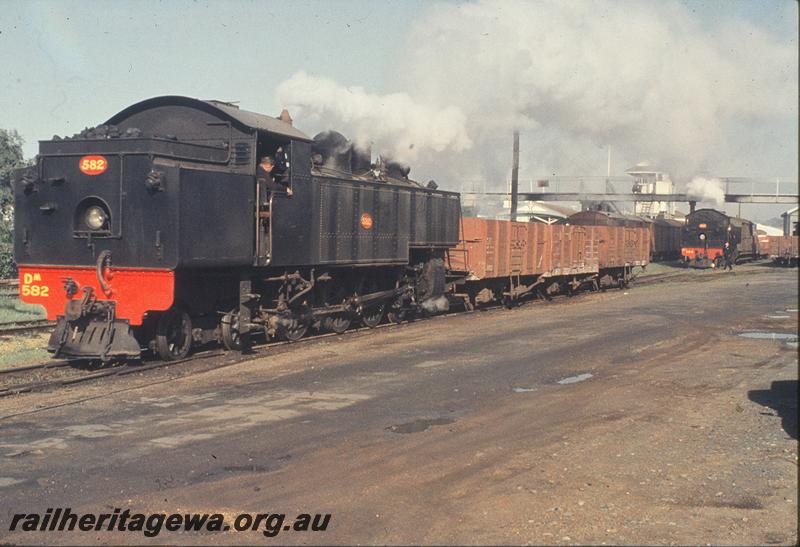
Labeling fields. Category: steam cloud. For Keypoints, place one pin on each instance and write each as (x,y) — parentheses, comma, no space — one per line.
(394,123)
(706,190)
(649,79)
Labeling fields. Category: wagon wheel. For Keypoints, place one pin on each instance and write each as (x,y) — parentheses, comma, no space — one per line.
(469,303)
(174,335)
(371,317)
(338,322)
(231,338)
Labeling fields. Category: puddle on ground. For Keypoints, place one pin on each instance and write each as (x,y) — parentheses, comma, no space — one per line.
(789,339)
(9,481)
(791,310)
(777,316)
(576,379)
(769,335)
(419,425)
(430,364)
(246,469)
(523,389)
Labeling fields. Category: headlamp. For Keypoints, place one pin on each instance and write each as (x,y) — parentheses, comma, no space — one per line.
(95,217)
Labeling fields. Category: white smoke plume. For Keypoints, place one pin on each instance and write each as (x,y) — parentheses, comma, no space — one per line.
(650,79)
(706,190)
(394,123)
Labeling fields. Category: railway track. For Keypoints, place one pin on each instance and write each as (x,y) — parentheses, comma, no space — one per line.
(25,327)
(44,376)
(32,378)
(64,373)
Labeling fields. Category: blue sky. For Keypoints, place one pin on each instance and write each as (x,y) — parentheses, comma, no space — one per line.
(66,65)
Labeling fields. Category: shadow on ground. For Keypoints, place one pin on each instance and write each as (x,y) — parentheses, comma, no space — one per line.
(781,397)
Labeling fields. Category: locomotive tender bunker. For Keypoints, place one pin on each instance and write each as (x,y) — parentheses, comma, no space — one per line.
(153,231)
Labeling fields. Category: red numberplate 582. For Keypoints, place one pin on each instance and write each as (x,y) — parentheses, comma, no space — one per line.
(93,165)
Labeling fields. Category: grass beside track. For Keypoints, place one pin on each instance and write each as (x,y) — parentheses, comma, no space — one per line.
(13,310)
(18,350)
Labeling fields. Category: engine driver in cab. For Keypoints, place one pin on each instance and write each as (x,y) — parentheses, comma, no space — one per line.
(271,172)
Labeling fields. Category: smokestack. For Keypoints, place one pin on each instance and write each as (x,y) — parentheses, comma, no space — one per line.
(515,177)
(285,117)
(692,205)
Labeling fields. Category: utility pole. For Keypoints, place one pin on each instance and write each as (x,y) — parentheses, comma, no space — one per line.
(515,177)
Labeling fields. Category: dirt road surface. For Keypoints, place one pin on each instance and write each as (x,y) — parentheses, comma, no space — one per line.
(626,417)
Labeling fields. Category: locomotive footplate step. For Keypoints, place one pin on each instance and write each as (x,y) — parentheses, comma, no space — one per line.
(87,338)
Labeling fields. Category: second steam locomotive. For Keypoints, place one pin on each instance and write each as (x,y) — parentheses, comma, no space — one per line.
(706,233)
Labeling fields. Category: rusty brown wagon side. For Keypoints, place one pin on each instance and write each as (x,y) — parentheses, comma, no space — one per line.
(508,260)
(763,245)
(617,247)
(782,249)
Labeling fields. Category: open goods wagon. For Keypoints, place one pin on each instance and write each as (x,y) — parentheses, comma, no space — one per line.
(781,249)
(665,234)
(509,260)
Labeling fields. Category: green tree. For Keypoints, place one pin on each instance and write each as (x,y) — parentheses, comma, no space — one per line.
(10,158)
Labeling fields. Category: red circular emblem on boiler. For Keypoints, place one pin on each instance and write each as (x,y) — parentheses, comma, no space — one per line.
(366,221)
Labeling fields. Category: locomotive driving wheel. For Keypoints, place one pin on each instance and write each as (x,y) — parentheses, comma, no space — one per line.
(294,324)
(296,331)
(396,315)
(231,337)
(371,317)
(174,335)
(338,322)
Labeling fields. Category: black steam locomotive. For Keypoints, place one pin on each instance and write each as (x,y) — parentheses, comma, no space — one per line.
(153,231)
(706,232)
